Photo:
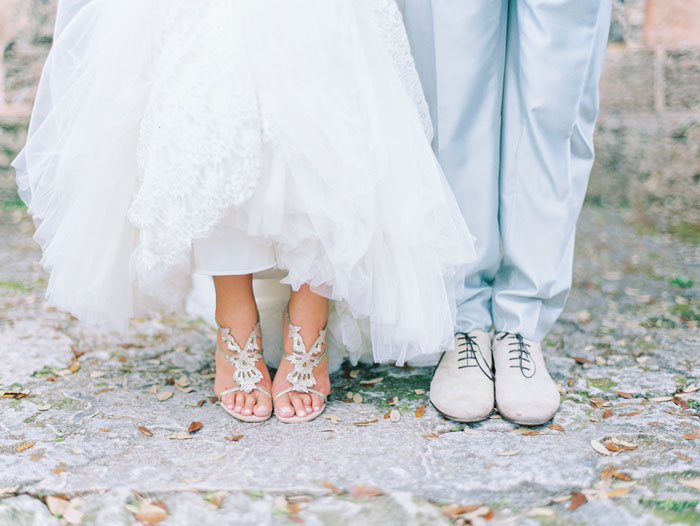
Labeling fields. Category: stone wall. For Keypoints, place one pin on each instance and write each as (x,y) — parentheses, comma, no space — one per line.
(648,140)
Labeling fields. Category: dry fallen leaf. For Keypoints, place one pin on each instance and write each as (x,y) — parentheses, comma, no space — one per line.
(65,508)
(578,499)
(366,422)
(661,399)
(194,427)
(44,407)
(8,491)
(597,402)
(164,395)
(420,411)
(526,431)
(631,413)
(541,512)
(453,511)
(691,436)
(145,431)
(214,497)
(24,446)
(148,511)
(180,435)
(682,456)
(431,436)
(600,448)
(510,453)
(680,402)
(364,491)
(607,414)
(234,438)
(357,398)
(617,492)
(335,489)
(105,429)
(581,361)
(694,483)
(419,391)
(393,400)
(691,389)
(624,444)
(623,394)
(556,427)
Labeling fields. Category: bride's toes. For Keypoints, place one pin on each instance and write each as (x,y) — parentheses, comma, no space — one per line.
(316,403)
(228,400)
(298,403)
(283,407)
(239,403)
(262,407)
(249,404)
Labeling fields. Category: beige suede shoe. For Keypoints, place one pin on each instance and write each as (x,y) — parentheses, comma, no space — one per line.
(525,393)
(462,385)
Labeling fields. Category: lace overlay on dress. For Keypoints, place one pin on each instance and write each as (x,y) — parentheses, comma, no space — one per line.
(184,193)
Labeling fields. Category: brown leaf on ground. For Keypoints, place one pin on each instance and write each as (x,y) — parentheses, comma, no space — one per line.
(105,429)
(24,446)
(194,427)
(526,431)
(682,456)
(598,402)
(393,400)
(607,414)
(148,512)
(364,491)
(74,367)
(578,499)
(200,403)
(14,394)
(387,415)
(420,411)
(694,483)
(453,511)
(366,422)
(600,448)
(145,431)
(581,361)
(631,413)
(691,436)
(624,444)
(234,438)
(164,395)
(680,402)
(180,435)
(431,436)
(335,489)
(556,427)
(611,472)
(617,492)
(623,394)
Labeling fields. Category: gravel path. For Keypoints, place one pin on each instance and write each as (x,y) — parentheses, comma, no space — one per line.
(82,419)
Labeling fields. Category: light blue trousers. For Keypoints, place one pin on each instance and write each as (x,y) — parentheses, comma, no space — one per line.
(513,90)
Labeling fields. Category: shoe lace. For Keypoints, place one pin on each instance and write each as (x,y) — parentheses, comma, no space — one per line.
(520,357)
(467,349)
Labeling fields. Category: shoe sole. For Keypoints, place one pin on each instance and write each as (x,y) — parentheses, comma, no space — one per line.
(462,420)
(251,419)
(300,419)
(529,423)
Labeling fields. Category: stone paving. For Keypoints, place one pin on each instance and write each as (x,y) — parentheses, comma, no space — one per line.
(94,426)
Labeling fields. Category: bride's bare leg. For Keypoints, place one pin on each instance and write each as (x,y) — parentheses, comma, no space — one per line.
(236,309)
(309,311)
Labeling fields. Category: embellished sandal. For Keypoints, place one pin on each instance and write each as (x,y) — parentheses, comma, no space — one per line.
(302,377)
(246,375)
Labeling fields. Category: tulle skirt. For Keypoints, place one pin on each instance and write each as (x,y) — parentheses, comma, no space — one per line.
(300,126)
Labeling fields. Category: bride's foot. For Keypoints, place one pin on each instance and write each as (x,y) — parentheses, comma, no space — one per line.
(242,380)
(302,383)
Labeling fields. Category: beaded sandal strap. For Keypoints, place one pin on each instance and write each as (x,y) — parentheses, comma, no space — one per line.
(246,375)
(304,360)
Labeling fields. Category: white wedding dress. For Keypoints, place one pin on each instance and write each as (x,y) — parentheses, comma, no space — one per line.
(232,136)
